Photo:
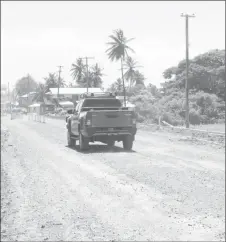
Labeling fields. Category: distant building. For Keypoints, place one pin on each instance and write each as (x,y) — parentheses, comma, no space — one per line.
(72,93)
(26,100)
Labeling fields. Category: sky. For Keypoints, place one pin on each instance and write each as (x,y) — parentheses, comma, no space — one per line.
(38,36)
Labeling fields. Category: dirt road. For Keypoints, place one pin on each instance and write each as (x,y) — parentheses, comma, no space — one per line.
(166,189)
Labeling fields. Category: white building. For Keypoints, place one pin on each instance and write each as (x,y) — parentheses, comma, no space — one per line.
(73,92)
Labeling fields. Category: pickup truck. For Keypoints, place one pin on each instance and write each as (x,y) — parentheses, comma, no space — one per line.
(100,118)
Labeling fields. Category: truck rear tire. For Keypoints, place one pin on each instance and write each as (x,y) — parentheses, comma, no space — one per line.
(71,142)
(128,142)
(83,142)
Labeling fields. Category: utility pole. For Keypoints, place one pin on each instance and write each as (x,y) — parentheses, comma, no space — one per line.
(87,71)
(187,16)
(58,84)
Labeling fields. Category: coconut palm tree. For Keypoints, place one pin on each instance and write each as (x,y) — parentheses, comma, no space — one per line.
(139,78)
(77,71)
(130,73)
(118,51)
(96,76)
(62,82)
(119,85)
(51,81)
(40,93)
(116,86)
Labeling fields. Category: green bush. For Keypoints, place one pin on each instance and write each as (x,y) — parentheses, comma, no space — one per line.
(204,107)
(194,117)
(172,118)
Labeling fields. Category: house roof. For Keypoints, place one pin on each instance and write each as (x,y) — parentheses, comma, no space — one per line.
(66,104)
(26,95)
(35,105)
(73,91)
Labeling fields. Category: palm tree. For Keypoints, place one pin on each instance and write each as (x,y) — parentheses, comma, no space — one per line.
(77,71)
(119,85)
(118,51)
(130,73)
(62,82)
(70,84)
(96,76)
(116,86)
(40,93)
(139,78)
(51,81)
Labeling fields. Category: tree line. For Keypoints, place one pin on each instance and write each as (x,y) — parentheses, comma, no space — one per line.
(206,82)
(118,50)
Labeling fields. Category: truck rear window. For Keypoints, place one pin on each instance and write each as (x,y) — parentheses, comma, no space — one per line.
(98,103)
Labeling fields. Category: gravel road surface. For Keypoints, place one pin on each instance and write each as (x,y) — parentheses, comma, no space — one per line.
(165,189)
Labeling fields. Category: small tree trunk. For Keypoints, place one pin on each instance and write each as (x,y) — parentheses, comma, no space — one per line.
(123,83)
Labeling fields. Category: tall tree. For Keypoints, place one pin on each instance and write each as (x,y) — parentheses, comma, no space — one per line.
(62,82)
(206,73)
(96,76)
(119,50)
(25,84)
(51,80)
(119,85)
(139,78)
(131,66)
(77,71)
(116,86)
(153,90)
(40,92)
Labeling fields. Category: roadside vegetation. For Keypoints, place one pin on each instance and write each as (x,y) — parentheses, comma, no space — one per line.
(206,85)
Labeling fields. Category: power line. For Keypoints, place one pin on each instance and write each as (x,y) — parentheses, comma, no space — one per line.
(87,70)
(187,16)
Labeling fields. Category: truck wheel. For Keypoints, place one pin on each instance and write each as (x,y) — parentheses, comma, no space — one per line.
(111,143)
(128,142)
(83,142)
(71,142)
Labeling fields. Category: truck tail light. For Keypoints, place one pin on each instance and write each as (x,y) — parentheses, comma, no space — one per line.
(88,122)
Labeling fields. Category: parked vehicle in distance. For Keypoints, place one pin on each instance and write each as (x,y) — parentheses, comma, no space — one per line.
(102,118)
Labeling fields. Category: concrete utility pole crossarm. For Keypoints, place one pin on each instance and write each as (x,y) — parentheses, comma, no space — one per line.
(187,16)
(87,71)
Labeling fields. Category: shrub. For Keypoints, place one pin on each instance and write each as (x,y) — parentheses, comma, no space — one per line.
(140,118)
(173,119)
(194,117)
(204,107)
(204,119)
